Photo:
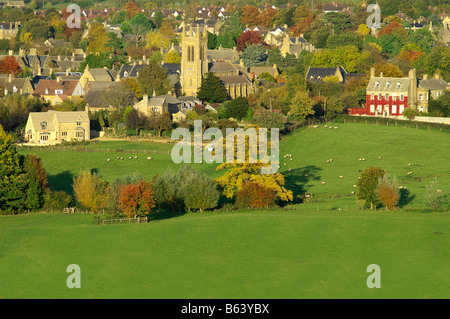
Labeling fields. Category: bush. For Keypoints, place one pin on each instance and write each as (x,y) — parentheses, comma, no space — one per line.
(56,200)
(253,195)
(434,197)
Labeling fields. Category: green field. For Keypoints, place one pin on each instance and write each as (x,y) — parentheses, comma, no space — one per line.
(319,249)
(228,255)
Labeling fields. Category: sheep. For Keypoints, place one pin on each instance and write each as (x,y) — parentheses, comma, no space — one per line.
(149,158)
(306,175)
(410,173)
(108,160)
(335,127)
(354,186)
(353,193)
(341,176)
(328,161)
(409,164)
(289,169)
(136,157)
(323,183)
(379,157)
(284,164)
(331,159)
(439,190)
(130,157)
(291,159)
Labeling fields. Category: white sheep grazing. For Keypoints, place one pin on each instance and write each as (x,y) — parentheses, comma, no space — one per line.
(409,164)
(289,169)
(130,157)
(335,127)
(306,174)
(341,176)
(149,158)
(439,190)
(331,159)
(108,160)
(135,157)
(354,186)
(284,164)
(323,183)
(353,193)
(409,173)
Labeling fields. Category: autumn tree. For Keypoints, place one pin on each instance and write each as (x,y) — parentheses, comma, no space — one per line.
(254,195)
(9,65)
(131,8)
(136,199)
(172,57)
(90,191)
(387,191)
(247,38)
(267,16)
(250,15)
(238,174)
(97,39)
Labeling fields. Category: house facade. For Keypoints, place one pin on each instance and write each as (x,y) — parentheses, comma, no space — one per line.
(389,96)
(53,127)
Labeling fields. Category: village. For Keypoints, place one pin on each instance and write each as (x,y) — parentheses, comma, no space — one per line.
(224,150)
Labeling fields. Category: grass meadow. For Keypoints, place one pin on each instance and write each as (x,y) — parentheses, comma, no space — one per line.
(317,249)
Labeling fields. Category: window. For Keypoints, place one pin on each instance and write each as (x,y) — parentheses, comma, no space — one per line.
(46,91)
(402,107)
(78,123)
(420,96)
(401,97)
(426,96)
(59,92)
(372,96)
(394,97)
(387,96)
(379,96)
(44,125)
(388,85)
(377,84)
(79,134)
(44,137)
(372,108)
(398,85)
(379,108)
(64,134)
(394,109)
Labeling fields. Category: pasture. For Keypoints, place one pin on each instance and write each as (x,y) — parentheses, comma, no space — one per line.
(317,249)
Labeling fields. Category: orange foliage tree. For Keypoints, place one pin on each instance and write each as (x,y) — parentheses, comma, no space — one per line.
(136,200)
(9,65)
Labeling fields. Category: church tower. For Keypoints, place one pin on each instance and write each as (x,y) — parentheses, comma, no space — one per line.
(194,62)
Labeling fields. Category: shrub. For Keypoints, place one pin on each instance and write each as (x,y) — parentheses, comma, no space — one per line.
(434,197)
(56,200)
(387,191)
(254,195)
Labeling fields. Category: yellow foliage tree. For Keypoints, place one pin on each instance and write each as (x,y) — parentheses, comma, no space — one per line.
(90,191)
(172,57)
(156,39)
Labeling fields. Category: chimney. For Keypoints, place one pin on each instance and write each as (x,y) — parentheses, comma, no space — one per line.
(129,59)
(33,51)
(58,79)
(21,52)
(372,72)
(437,76)
(145,97)
(140,62)
(381,74)
(241,62)
(144,57)
(10,78)
(67,72)
(425,77)
(154,93)
(10,52)
(59,58)
(413,87)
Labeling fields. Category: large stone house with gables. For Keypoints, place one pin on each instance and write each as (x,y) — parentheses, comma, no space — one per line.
(53,127)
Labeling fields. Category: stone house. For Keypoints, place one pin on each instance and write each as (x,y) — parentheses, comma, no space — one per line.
(56,91)
(53,127)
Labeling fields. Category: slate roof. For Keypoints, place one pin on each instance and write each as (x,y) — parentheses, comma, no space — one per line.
(317,74)
(433,84)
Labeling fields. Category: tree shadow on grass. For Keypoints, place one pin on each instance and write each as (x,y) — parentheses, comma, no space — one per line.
(61,182)
(163,214)
(298,180)
(405,198)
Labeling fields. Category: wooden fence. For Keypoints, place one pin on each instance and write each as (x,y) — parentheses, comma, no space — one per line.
(136,220)
(90,150)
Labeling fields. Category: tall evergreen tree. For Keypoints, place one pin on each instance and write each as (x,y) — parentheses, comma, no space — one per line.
(212,89)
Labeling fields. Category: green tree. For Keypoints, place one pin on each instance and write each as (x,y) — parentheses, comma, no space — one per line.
(212,89)
(301,105)
(153,79)
(12,182)
(254,55)
(367,185)
(236,108)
